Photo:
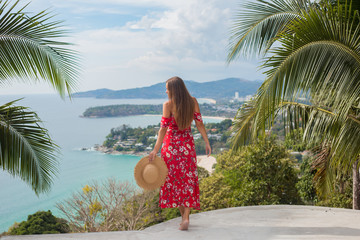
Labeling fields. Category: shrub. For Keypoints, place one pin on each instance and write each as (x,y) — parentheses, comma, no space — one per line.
(40,223)
(261,173)
(202,173)
(338,200)
(215,193)
(305,185)
(110,206)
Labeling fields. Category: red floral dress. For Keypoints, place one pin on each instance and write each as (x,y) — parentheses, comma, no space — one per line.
(181,187)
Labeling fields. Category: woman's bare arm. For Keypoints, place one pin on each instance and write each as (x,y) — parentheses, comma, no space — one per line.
(201,127)
(161,133)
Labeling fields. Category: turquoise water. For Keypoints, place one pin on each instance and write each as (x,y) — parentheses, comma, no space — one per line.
(77,168)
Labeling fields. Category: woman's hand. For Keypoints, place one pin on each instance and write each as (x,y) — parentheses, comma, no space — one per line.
(207,149)
(152,155)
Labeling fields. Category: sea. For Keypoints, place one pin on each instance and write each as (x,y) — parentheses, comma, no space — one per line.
(77,167)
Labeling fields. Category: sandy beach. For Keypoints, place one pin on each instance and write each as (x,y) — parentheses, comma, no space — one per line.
(206,162)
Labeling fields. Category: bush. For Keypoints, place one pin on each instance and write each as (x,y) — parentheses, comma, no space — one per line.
(294,140)
(202,173)
(337,200)
(340,194)
(305,185)
(261,173)
(40,223)
(110,206)
(215,193)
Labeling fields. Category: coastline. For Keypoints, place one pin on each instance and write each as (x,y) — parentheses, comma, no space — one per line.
(211,117)
(159,115)
(110,151)
(211,100)
(216,117)
(202,160)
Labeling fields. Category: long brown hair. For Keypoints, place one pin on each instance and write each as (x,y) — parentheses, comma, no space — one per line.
(184,103)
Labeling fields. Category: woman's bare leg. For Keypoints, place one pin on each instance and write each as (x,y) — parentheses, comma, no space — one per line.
(185,219)
(182,209)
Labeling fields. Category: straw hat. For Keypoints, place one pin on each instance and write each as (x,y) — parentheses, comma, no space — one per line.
(150,175)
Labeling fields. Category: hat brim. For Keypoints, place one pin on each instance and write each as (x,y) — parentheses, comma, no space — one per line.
(159,163)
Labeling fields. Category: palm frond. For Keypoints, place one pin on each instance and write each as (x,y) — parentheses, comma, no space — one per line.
(259,23)
(325,174)
(324,126)
(346,145)
(26,149)
(29,50)
(318,59)
(322,60)
(242,125)
(338,141)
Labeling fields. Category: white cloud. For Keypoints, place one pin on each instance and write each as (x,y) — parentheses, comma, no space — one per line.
(139,3)
(188,39)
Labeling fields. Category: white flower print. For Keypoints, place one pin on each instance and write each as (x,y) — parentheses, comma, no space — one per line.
(182,148)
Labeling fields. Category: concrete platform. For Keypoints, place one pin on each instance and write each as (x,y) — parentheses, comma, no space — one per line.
(255,222)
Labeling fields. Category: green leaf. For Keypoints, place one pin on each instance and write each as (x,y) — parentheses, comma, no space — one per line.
(26,149)
(30,49)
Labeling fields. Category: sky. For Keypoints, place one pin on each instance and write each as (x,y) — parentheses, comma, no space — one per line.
(135,43)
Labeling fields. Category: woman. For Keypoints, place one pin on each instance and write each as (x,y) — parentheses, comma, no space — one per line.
(181,188)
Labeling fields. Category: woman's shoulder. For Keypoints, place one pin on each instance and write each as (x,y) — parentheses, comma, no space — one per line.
(195,101)
(167,108)
(168,104)
(197,109)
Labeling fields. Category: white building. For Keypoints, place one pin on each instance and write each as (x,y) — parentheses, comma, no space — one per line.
(236,95)
(153,137)
(197,136)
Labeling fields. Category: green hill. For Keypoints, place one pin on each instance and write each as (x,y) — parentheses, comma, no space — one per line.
(220,89)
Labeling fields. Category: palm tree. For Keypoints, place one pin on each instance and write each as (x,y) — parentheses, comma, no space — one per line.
(30,51)
(318,58)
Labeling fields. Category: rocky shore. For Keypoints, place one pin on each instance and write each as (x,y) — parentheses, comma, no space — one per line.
(111,151)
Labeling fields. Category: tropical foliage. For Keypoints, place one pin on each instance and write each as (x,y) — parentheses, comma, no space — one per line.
(40,223)
(30,50)
(316,57)
(294,141)
(260,174)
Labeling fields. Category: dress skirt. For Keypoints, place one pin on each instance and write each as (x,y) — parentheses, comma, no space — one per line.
(181,187)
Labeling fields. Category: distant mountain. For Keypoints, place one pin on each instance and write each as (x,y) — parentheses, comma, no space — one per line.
(220,89)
